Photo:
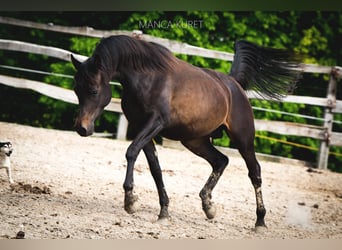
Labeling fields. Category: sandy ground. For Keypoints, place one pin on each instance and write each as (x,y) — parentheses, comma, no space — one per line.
(71,187)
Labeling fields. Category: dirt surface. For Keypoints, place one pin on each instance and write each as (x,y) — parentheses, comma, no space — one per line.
(67,186)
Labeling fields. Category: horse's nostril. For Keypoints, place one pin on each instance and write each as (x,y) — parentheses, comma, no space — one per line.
(82,131)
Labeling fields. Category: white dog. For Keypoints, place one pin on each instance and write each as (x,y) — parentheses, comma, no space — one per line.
(5,152)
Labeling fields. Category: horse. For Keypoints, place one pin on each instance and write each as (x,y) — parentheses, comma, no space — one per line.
(163,95)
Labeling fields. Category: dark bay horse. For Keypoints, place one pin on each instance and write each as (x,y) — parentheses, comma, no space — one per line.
(167,96)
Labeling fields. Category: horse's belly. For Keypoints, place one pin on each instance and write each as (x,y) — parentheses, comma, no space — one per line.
(177,134)
(182,132)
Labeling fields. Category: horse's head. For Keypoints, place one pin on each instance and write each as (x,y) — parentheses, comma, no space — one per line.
(93,92)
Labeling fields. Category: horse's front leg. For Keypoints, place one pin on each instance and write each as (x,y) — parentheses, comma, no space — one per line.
(152,158)
(151,129)
(130,198)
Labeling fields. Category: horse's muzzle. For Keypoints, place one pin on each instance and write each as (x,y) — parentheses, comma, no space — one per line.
(84,130)
(84,126)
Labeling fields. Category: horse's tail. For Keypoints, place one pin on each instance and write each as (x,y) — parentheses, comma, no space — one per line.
(271,72)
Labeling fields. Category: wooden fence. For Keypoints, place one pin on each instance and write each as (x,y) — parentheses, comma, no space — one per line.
(323,133)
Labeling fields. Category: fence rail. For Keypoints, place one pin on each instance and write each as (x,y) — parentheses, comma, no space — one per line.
(174,46)
(323,133)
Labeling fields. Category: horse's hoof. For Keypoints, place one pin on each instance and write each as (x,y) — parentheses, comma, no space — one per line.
(210,212)
(260,229)
(165,220)
(130,209)
(129,203)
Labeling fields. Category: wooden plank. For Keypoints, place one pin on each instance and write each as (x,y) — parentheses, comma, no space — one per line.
(187,49)
(283,128)
(84,31)
(336,139)
(231,152)
(53,91)
(310,100)
(289,128)
(338,107)
(318,101)
(43,88)
(38,49)
(314,68)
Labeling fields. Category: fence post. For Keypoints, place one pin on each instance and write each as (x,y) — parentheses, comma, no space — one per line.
(323,155)
(122,128)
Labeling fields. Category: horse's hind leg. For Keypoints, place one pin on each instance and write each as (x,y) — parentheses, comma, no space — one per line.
(245,144)
(255,176)
(203,148)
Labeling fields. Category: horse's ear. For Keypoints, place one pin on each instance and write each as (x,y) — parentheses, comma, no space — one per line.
(75,62)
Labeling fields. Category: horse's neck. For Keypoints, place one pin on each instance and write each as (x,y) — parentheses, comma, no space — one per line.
(133,81)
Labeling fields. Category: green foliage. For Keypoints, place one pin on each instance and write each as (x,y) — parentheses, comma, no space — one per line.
(316,35)
(83,45)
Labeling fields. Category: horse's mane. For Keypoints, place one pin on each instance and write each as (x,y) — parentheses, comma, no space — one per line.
(124,52)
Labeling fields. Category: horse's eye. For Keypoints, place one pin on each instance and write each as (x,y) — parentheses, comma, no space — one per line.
(93,91)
